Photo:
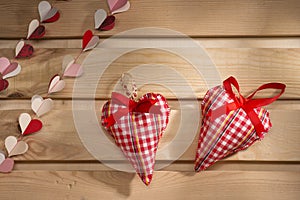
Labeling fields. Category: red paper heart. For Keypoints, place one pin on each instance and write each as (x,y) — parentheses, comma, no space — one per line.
(3,84)
(38,33)
(52,19)
(26,51)
(108,23)
(7,165)
(86,38)
(34,126)
(138,133)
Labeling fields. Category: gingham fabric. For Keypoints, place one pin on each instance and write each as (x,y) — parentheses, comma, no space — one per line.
(138,134)
(228,133)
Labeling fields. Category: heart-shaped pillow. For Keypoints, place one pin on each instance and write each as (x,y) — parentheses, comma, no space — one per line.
(231,123)
(137,127)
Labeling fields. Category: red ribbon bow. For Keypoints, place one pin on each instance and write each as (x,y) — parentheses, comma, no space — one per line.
(142,106)
(247,104)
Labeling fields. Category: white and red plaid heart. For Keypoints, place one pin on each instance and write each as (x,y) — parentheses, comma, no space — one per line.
(56,84)
(118,6)
(41,106)
(35,30)
(8,69)
(138,133)
(70,68)
(15,147)
(23,50)
(6,164)
(28,125)
(89,41)
(47,12)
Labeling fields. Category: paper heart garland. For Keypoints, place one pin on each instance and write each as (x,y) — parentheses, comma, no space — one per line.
(3,84)
(8,69)
(15,147)
(118,6)
(47,13)
(70,68)
(104,22)
(6,164)
(35,30)
(89,40)
(231,123)
(56,84)
(137,128)
(28,125)
(41,106)
(23,50)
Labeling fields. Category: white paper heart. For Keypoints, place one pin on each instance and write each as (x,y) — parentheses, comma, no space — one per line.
(56,84)
(19,47)
(15,147)
(99,17)
(46,11)
(34,24)
(41,106)
(24,120)
(122,9)
(2,158)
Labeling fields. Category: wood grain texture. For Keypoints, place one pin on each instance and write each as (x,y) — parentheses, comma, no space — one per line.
(192,17)
(252,67)
(59,141)
(178,185)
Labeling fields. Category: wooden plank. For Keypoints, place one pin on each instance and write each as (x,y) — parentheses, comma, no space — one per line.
(177,185)
(192,17)
(252,67)
(59,141)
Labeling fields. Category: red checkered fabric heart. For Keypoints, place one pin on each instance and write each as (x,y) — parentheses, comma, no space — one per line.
(137,128)
(231,123)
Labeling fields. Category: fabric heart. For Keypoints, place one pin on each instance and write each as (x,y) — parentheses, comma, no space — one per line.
(35,30)
(56,84)
(47,13)
(231,123)
(3,84)
(137,128)
(108,24)
(8,69)
(118,6)
(41,106)
(89,40)
(15,147)
(70,68)
(6,164)
(28,125)
(23,50)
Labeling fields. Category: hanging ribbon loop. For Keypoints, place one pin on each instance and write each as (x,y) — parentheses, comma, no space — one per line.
(247,104)
(129,106)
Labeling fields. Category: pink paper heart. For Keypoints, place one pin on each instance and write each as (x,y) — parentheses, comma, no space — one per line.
(117,6)
(23,50)
(89,40)
(47,13)
(70,68)
(7,165)
(56,84)
(8,69)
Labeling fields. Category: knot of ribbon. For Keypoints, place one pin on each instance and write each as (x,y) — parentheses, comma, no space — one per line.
(129,106)
(247,104)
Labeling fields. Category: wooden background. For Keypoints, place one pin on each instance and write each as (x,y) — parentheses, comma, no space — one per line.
(256,41)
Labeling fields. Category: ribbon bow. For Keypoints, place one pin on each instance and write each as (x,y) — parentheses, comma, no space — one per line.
(247,104)
(142,106)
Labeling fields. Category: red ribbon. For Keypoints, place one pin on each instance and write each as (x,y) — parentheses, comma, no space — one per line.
(142,106)
(247,104)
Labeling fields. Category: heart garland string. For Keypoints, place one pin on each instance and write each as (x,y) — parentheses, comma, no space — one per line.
(40,106)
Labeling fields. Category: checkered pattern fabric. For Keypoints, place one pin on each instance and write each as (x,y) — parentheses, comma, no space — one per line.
(227,134)
(138,134)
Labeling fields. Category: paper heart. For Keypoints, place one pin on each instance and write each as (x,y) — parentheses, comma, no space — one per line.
(23,50)
(108,24)
(41,106)
(70,68)
(35,30)
(47,13)
(28,125)
(231,123)
(15,147)
(89,40)
(8,69)
(6,165)
(2,157)
(138,132)
(99,17)
(3,84)
(118,6)
(56,84)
